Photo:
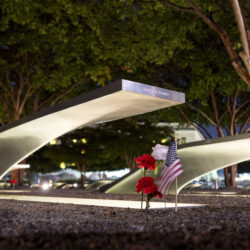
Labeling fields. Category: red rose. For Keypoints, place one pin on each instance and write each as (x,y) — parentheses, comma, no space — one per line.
(147,185)
(146,161)
(154,191)
(144,184)
(157,193)
(13,181)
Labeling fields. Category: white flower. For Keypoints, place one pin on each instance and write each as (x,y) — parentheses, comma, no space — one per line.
(160,152)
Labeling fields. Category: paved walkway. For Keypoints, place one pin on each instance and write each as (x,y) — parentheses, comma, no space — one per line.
(95,202)
(217,194)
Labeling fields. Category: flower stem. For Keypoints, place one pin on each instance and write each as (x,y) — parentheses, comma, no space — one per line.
(142,199)
(147,203)
(142,193)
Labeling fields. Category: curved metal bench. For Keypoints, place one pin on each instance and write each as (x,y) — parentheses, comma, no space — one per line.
(118,100)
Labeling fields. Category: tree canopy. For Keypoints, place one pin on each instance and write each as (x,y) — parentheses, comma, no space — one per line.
(47,50)
(230,22)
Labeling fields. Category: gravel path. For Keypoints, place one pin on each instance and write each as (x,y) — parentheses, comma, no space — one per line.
(223,224)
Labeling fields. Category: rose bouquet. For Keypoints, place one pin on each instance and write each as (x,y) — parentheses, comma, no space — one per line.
(146,183)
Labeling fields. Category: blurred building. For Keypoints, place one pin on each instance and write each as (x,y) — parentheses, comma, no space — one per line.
(185,133)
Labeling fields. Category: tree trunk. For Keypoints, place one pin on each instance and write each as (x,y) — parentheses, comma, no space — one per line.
(83,179)
(29,175)
(83,176)
(242,26)
(14,176)
(233,173)
(227,179)
(131,161)
(82,169)
(226,175)
(233,131)
(18,175)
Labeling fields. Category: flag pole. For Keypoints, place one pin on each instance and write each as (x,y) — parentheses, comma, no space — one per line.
(176,184)
(164,199)
(176,195)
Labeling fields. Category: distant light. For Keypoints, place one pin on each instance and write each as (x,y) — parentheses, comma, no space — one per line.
(52,142)
(83,140)
(75,185)
(50,184)
(62,165)
(83,151)
(74,140)
(153,141)
(164,140)
(45,186)
(73,164)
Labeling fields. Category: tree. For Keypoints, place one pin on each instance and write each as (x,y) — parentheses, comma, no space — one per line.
(45,51)
(48,50)
(214,95)
(132,137)
(228,113)
(214,14)
(142,32)
(183,54)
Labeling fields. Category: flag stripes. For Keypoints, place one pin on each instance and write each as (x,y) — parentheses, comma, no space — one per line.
(172,170)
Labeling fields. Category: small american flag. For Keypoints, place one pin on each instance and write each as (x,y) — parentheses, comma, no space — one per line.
(171,171)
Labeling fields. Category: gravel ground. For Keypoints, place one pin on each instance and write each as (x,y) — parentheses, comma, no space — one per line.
(223,224)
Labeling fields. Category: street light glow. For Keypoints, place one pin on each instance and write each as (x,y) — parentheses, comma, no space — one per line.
(83,140)
(52,142)
(45,186)
(62,165)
